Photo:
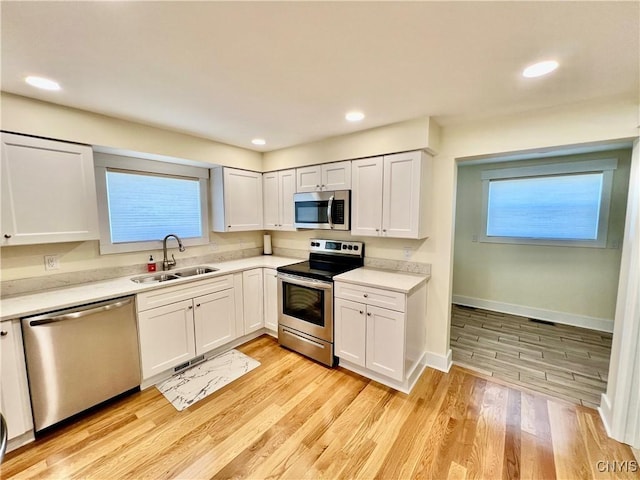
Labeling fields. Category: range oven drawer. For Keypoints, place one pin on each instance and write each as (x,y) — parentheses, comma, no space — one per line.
(306,345)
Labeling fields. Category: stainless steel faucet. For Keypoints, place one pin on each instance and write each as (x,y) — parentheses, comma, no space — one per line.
(166,263)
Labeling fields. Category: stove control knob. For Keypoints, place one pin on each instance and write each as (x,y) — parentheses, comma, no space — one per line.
(355,247)
(350,247)
(344,247)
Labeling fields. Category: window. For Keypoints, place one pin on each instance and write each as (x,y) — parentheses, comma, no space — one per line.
(142,201)
(553,204)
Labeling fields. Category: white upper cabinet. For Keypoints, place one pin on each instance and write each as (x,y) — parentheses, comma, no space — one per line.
(324,177)
(48,192)
(278,190)
(390,195)
(236,197)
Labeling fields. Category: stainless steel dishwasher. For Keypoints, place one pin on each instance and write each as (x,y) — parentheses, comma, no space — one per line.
(80,357)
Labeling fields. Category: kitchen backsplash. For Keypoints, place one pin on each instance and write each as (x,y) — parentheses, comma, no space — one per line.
(9,288)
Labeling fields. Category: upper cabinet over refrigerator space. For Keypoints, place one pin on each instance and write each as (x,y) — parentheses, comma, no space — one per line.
(324,177)
(48,191)
(236,197)
(390,196)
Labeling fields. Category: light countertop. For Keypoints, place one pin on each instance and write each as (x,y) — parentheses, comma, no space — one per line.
(391,280)
(46,301)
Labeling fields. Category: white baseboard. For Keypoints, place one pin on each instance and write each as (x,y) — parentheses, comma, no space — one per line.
(594,323)
(605,412)
(439,362)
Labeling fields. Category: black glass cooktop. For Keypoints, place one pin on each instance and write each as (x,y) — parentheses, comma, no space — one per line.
(317,269)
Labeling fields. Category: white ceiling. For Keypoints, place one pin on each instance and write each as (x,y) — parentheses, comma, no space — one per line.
(288,72)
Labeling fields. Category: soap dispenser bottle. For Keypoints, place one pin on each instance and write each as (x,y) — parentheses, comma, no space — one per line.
(151,266)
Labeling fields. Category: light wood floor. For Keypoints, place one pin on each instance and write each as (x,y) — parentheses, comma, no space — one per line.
(293,418)
(567,362)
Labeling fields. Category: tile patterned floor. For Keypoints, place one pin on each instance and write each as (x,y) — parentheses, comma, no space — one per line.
(559,360)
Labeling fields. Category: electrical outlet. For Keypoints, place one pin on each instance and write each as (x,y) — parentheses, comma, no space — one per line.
(407,252)
(474,238)
(51,262)
(213,246)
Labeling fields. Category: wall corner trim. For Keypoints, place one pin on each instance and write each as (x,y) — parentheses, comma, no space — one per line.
(439,362)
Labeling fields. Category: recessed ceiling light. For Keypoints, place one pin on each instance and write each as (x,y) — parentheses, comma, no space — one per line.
(539,69)
(43,83)
(354,116)
(259,141)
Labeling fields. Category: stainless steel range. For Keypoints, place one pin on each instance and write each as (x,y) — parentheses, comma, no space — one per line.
(305,297)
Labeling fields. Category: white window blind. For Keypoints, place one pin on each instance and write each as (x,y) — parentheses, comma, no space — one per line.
(144,207)
(560,207)
(552,204)
(140,201)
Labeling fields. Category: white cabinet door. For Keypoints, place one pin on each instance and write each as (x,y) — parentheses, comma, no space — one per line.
(350,331)
(287,184)
(324,177)
(366,196)
(14,393)
(236,200)
(252,297)
(48,192)
(271,299)
(214,320)
(309,179)
(271,200)
(401,195)
(166,337)
(336,176)
(278,190)
(385,342)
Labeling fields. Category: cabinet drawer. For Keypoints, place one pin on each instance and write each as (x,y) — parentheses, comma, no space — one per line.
(371,296)
(185,291)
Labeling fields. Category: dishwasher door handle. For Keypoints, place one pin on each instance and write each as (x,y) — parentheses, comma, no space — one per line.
(46,319)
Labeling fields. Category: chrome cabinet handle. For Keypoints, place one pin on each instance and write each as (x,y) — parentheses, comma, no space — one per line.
(6,235)
(197,304)
(3,333)
(368,314)
(361,312)
(190,307)
(366,295)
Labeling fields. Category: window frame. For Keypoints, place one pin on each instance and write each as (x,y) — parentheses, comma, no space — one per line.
(104,162)
(605,166)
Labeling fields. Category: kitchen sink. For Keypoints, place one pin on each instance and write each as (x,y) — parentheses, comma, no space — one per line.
(191,271)
(174,274)
(156,277)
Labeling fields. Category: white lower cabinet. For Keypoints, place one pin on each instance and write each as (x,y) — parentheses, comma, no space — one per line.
(14,392)
(371,337)
(380,333)
(252,291)
(166,337)
(186,325)
(271,300)
(215,320)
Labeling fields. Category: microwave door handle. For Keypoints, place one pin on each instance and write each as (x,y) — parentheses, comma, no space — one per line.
(329,212)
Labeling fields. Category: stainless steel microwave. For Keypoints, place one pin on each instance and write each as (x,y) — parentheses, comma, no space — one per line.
(322,210)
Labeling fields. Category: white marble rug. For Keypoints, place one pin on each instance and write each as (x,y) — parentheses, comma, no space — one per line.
(187,387)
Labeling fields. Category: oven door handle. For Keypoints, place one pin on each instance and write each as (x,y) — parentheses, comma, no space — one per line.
(295,280)
(329,212)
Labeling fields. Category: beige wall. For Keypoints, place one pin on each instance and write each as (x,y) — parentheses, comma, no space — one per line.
(539,130)
(418,134)
(578,124)
(569,280)
(27,261)
(33,117)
